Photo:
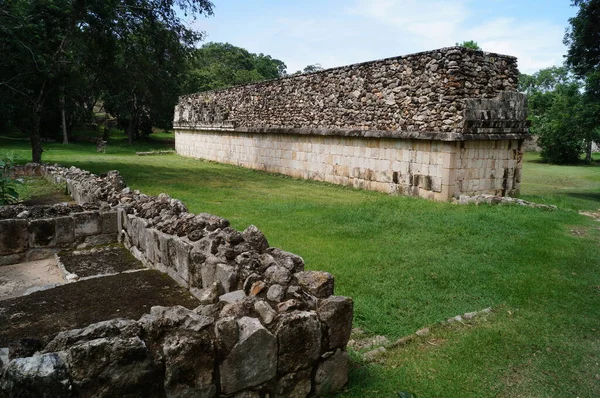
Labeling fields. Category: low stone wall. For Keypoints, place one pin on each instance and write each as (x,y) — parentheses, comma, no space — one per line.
(34,233)
(437,124)
(264,327)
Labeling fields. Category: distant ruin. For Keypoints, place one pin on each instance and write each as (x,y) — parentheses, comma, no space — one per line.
(436,124)
(257,324)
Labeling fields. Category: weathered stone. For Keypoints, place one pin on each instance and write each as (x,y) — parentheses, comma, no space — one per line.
(189,365)
(335,313)
(227,275)
(87,223)
(292,262)
(243,368)
(318,283)
(332,373)
(179,254)
(278,275)
(106,329)
(226,332)
(14,237)
(240,308)
(233,297)
(299,337)
(43,375)
(24,347)
(109,222)
(65,230)
(42,232)
(288,305)
(294,385)
(164,318)
(109,367)
(267,314)
(255,238)
(275,293)
(257,288)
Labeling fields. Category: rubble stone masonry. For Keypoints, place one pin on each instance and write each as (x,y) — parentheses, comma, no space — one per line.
(436,124)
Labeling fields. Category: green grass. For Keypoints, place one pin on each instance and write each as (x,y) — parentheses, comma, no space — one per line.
(571,187)
(410,263)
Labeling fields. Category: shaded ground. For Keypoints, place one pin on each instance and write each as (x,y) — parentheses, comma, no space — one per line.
(48,199)
(16,279)
(99,261)
(130,295)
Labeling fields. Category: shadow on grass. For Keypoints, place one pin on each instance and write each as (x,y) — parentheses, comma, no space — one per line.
(592,196)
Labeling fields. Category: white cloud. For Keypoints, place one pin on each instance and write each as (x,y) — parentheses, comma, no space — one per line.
(352,31)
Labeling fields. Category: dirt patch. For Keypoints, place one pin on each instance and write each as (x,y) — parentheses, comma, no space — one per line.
(593,214)
(99,261)
(42,315)
(16,279)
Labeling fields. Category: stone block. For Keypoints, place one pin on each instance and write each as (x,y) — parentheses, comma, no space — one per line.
(253,359)
(336,313)
(42,232)
(318,283)
(189,365)
(65,231)
(110,224)
(14,236)
(179,256)
(87,223)
(299,337)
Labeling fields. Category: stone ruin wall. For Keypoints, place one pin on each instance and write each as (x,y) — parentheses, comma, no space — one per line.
(406,125)
(265,326)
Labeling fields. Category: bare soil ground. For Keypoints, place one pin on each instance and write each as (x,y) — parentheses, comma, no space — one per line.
(41,315)
(16,279)
(99,261)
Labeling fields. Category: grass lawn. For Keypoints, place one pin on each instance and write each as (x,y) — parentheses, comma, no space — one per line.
(410,263)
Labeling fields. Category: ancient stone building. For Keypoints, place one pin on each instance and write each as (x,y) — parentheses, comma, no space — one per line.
(436,124)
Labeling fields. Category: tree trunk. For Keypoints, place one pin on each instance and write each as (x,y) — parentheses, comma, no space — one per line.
(130,130)
(63,117)
(36,141)
(588,151)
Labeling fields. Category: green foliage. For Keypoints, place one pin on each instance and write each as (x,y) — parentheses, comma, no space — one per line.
(583,56)
(560,114)
(310,69)
(469,44)
(220,65)
(74,51)
(8,185)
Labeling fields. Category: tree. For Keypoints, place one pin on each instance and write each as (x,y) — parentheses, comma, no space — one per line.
(220,65)
(559,113)
(583,56)
(50,41)
(310,69)
(469,44)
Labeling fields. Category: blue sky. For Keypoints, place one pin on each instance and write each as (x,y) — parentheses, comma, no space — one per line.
(336,32)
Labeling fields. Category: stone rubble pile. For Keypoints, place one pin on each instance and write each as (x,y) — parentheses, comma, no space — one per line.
(265,326)
(494,200)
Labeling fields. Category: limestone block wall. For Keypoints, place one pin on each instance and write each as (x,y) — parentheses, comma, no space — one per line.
(432,169)
(416,125)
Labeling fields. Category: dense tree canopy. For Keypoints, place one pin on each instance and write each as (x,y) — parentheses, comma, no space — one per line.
(219,65)
(68,52)
(561,115)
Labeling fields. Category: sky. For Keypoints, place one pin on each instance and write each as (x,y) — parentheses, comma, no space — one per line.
(337,32)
